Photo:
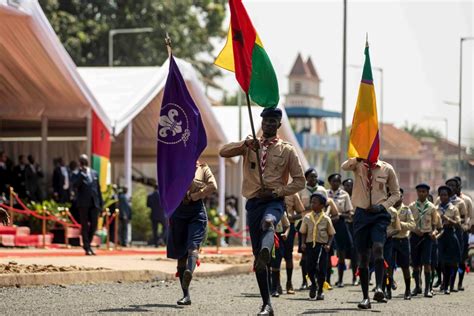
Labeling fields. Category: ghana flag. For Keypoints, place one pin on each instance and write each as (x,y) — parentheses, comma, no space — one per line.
(100,149)
(244,54)
(364,140)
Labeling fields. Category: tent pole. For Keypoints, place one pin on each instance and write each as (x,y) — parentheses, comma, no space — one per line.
(89,134)
(44,145)
(222,188)
(128,158)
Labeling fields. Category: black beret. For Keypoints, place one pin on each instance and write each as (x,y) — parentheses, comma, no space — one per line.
(458,178)
(307,172)
(333,176)
(445,187)
(423,186)
(272,112)
(347,180)
(453,179)
(320,197)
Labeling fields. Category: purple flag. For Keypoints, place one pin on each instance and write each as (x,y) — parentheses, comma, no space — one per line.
(181,140)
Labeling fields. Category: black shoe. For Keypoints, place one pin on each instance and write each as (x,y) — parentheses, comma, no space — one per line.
(275,294)
(340,284)
(184,301)
(394,285)
(379,296)
(88,252)
(320,297)
(187,277)
(428,294)
(460,287)
(303,287)
(263,259)
(312,291)
(289,288)
(446,291)
(415,292)
(388,294)
(364,304)
(92,252)
(279,289)
(453,290)
(407,296)
(266,310)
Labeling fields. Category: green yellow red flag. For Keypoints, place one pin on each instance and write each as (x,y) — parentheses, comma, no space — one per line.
(100,149)
(364,139)
(244,55)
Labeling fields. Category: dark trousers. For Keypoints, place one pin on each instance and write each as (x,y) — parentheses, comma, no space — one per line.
(88,217)
(123,231)
(154,228)
(316,263)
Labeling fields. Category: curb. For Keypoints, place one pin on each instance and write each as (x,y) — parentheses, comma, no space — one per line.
(107,276)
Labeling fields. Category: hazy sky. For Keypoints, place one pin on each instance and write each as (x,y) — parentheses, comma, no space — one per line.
(415,42)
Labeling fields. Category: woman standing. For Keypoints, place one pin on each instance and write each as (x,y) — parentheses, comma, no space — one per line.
(188,227)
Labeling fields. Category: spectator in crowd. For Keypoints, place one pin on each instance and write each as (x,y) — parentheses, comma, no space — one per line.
(61,181)
(125,215)
(5,174)
(73,169)
(19,173)
(33,175)
(232,216)
(157,217)
(89,201)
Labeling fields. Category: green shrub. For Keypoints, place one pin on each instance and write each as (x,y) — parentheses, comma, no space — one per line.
(141,223)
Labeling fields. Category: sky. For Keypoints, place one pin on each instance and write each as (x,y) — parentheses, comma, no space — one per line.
(415,42)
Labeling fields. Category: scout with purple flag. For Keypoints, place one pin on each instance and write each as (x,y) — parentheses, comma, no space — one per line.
(183,181)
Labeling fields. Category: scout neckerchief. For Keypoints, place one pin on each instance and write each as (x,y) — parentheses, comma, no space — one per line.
(422,209)
(315,225)
(312,189)
(370,166)
(444,208)
(265,144)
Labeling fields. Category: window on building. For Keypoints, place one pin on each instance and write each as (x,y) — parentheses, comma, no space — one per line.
(297,87)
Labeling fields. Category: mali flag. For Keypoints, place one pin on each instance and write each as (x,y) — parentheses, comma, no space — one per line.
(364,140)
(244,54)
(100,150)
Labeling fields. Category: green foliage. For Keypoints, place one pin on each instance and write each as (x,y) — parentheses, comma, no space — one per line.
(420,132)
(215,220)
(52,207)
(141,222)
(83,28)
(109,196)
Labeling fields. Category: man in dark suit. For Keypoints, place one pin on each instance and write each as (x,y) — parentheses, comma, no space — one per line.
(125,216)
(89,201)
(5,175)
(60,181)
(19,177)
(157,217)
(33,174)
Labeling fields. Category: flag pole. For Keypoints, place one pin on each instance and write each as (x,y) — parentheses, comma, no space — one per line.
(260,171)
(168,44)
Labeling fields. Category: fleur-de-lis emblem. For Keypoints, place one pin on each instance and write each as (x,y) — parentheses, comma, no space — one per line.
(169,124)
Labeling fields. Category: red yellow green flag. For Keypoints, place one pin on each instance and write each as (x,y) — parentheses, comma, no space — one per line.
(364,140)
(244,54)
(100,149)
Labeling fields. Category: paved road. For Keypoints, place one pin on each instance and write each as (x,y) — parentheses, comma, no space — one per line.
(235,295)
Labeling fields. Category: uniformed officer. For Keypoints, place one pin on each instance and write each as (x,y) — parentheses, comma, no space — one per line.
(401,243)
(371,201)
(188,227)
(265,204)
(393,229)
(281,234)
(449,248)
(348,184)
(317,234)
(461,230)
(421,239)
(295,211)
(312,186)
(343,237)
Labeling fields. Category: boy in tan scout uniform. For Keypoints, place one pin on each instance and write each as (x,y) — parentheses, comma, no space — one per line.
(317,234)
(392,229)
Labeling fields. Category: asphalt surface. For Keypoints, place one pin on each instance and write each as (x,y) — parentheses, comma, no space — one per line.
(234,295)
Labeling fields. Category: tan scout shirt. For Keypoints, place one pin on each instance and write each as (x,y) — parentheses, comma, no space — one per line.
(324,227)
(343,203)
(383,177)
(294,206)
(461,206)
(282,162)
(394,226)
(407,222)
(306,193)
(204,183)
(468,201)
(450,211)
(425,216)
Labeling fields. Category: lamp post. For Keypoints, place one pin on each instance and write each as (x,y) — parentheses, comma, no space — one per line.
(379,69)
(343,153)
(114,32)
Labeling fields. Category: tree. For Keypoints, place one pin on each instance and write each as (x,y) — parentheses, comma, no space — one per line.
(420,132)
(83,27)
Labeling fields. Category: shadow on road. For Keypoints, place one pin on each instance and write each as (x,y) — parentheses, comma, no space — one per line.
(336,310)
(248,295)
(138,308)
